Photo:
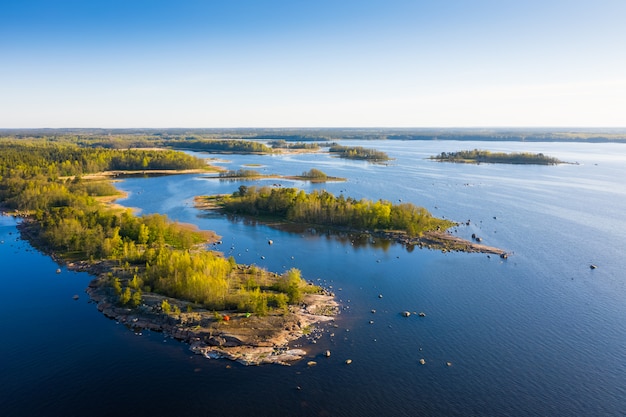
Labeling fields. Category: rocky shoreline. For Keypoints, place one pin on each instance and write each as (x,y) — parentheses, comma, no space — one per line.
(246,338)
(443,241)
(242,337)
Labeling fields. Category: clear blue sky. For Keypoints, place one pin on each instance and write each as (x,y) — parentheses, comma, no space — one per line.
(296,63)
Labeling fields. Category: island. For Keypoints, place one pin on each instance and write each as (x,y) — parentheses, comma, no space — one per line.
(405,223)
(150,272)
(312,175)
(481,156)
(359,152)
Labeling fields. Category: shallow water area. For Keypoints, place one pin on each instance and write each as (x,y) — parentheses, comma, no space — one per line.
(540,333)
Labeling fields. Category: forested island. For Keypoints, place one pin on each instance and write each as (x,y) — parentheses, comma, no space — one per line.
(359,152)
(405,222)
(312,175)
(151,272)
(481,156)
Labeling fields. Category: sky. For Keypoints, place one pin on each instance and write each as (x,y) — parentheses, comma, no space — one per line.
(304,63)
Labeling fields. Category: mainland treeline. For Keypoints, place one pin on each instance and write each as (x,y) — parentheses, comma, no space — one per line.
(323,208)
(156,137)
(149,253)
(358,152)
(231,145)
(482,156)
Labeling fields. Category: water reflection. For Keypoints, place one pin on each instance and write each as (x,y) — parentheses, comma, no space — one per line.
(357,240)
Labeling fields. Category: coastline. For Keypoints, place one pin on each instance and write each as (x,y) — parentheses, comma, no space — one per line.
(436,240)
(246,338)
(241,337)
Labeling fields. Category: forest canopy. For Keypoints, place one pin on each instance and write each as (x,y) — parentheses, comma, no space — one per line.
(478,156)
(358,152)
(323,208)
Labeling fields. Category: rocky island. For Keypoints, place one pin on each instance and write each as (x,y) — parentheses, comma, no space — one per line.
(248,338)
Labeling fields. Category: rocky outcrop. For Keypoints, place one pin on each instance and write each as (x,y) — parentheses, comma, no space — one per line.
(245,338)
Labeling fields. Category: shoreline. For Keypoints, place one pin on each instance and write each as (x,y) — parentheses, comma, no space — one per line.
(241,337)
(246,338)
(437,240)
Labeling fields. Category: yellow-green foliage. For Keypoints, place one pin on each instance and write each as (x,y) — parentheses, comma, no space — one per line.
(315,174)
(291,283)
(322,207)
(152,252)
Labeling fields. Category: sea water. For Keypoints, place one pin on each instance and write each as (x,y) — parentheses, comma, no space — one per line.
(540,333)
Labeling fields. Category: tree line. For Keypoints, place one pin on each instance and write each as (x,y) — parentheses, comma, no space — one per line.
(202,145)
(323,208)
(478,156)
(358,152)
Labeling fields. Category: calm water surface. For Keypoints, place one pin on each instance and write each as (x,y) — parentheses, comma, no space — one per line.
(537,334)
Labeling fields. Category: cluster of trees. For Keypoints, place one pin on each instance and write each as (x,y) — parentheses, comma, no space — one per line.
(152,253)
(239,173)
(283,144)
(358,152)
(322,207)
(234,146)
(315,174)
(65,159)
(478,156)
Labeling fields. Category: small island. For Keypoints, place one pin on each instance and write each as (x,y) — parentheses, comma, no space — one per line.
(481,156)
(312,175)
(358,152)
(404,223)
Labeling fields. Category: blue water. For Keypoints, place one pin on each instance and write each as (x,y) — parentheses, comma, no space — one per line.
(537,334)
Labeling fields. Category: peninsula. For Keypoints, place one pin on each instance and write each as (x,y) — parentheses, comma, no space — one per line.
(152,273)
(405,223)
